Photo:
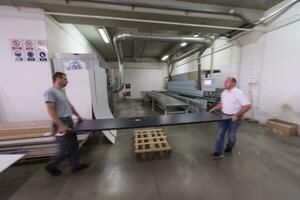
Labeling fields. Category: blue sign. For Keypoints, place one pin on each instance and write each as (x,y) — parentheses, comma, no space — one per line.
(43,56)
(18,54)
(30,54)
(75,65)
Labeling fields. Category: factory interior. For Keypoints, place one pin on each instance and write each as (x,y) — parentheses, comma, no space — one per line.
(149,99)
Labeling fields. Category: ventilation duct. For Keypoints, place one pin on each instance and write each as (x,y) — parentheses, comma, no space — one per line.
(203,43)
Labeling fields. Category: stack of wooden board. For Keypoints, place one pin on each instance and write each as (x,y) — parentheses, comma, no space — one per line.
(149,142)
(34,139)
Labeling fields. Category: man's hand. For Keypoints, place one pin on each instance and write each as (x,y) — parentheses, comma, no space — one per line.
(217,107)
(239,114)
(234,118)
(63,129)
(80,119)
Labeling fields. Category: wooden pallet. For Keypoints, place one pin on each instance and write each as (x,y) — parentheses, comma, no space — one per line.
(149,142)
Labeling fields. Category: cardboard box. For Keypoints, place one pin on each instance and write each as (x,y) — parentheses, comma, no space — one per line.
(282,127)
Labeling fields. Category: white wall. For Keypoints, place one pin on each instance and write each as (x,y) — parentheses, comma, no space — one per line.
(65,38)
(144,76)
(22,83)
(226,60)
(272,57)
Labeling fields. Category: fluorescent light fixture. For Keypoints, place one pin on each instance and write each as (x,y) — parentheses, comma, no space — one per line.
(103,34)
(165,57)
(196,35)
(183,44)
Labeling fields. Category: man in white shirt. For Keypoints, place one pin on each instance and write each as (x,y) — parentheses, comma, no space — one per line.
(235,104)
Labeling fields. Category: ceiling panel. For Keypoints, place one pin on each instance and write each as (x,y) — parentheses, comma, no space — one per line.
(255,4)
(156,49)
(92,35)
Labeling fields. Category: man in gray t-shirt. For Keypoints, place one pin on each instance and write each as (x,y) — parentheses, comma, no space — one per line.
(61,110)
(62,105)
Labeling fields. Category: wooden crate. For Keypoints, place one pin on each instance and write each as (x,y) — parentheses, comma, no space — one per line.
(150,142)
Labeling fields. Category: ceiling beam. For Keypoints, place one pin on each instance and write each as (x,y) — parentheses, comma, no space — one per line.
(92,8)
(130,59)
(148,27)
(174,7)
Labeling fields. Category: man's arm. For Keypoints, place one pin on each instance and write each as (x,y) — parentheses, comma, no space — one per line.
(242,111)
(217,107)
(246,106)
(51,110)
(80,119)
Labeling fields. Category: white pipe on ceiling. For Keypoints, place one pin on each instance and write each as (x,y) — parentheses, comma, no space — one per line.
(147,21)
(204,43)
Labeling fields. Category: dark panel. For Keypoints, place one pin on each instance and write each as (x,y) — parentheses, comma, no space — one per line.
(142,122)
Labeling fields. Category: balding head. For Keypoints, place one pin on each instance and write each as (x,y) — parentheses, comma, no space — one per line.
(230,82)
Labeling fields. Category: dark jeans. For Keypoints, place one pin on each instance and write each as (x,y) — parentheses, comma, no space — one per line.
(67,146)
(224,127)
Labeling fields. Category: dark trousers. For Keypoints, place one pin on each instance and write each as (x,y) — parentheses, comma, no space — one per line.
(224,127)
(68,146)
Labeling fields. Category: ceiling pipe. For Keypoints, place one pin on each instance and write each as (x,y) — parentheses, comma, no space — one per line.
(263,19)
(145,21)
(276,12)
(135,4)
(191,51)
(118,38)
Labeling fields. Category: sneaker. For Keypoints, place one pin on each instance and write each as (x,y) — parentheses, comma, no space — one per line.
(52,172)
(80,167)
(227,150)
(216,155)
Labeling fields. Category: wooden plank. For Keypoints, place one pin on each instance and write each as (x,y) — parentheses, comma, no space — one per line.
(21,130)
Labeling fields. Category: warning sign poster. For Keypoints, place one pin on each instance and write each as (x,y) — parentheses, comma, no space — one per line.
(17,49)
(42,51)
(30,50)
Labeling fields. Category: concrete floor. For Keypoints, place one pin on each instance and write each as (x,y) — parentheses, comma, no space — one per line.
(264,166)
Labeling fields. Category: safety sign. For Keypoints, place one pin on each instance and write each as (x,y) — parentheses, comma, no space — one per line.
(29,50)
(42,50)
(74,65)
(17,50)
(29,47)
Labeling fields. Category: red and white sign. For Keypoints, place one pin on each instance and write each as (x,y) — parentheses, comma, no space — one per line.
(29,45)
(17,49)
(16,45)
(30,50)
(42,50)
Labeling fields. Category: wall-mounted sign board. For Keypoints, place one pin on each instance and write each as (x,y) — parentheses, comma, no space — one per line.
(29,50)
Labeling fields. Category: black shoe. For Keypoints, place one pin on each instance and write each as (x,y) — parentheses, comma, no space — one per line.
(51,171)
(80,167)
(227,150)
(216,155)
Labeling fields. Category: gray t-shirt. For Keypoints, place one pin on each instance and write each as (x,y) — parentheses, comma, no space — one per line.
(62,104)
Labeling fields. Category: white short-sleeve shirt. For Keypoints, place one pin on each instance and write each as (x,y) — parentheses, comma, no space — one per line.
(233,100)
